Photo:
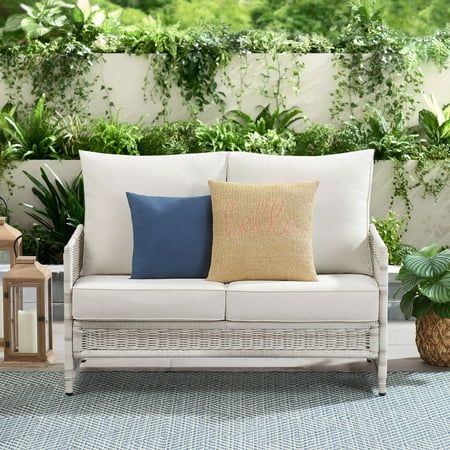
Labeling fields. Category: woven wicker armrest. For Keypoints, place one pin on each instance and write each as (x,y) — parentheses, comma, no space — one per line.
(379,255)
(73,259)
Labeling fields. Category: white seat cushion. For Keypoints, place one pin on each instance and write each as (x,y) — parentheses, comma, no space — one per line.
(115,297)
(108,238)
(342,297)
(341,212)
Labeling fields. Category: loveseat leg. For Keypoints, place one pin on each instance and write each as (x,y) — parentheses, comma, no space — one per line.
(382,373)
(69,376)
(70,373)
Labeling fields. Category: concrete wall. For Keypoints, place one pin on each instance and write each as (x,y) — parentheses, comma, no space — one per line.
(125,75)
(430,220)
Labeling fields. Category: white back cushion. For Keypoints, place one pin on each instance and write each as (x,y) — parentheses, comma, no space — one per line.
(341,214)
(108,242)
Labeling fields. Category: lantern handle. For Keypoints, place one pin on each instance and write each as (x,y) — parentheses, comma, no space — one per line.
(6,206)
(16,241)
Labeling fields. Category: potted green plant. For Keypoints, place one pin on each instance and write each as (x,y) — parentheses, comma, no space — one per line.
(425,288)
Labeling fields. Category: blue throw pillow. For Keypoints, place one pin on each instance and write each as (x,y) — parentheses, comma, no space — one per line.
(172,236)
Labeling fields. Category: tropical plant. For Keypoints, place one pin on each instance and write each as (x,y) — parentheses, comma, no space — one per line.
(36,137)
(435,122)
(278,120)
(391,229)
(62,206)
(425,282)
(9,111)
(112,136)
(74,136)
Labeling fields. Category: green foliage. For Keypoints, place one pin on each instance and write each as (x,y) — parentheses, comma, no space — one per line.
(278,120)
(187,14)
(307,16)
(425,278)
(63,209)
(50,19)
(189,60)
(412,16)
(170,138)
(272,142)
(316,140)
(435,123)
(111,136)
(35,137)
(319,16)
(221,136)
(378,67)
(391,229)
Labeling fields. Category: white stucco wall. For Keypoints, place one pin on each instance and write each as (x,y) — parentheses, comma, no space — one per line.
(125,75)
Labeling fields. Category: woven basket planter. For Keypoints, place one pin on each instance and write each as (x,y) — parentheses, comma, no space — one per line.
(433,339)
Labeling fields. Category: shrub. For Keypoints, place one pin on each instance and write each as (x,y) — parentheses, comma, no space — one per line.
(221,136)
(36,136)
(170,138)
(391,229)
(315,140)
(61,211)
(111,136)
(271,142)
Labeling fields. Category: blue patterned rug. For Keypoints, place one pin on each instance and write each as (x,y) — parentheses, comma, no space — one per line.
(217,410)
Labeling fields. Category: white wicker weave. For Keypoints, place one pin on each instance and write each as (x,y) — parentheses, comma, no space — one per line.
(223,339)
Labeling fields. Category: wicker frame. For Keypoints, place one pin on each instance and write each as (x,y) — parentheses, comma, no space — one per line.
(85,339)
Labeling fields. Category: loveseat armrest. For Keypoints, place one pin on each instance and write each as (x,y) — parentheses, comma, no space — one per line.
(379,255)
(380,264)
(73,260)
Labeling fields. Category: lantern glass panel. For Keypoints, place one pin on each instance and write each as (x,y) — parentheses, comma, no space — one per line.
(48,315)
(23,313)
(5,258)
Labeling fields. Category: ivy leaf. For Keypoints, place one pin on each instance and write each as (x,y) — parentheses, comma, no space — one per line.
(437,289)
(427,266)
(442,309)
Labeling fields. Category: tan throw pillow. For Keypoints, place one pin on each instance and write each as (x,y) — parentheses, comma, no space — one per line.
(262,231)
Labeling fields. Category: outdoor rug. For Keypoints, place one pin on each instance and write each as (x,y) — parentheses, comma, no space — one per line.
(223,410)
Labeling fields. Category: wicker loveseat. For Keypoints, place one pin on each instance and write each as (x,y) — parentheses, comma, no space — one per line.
(109,315)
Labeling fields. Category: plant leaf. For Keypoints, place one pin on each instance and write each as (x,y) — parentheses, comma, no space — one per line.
(407,303)
(408,279)
(437,289)
(427,266)
(444,130)
(442,309)
(422,306)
